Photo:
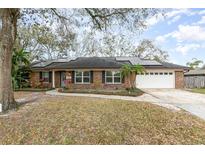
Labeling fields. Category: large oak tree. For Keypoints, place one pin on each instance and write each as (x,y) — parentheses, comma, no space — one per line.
(8,29)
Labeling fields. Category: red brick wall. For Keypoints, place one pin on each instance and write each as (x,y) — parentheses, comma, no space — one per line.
(35,81)
(97,82)
(97,79)
(179,79)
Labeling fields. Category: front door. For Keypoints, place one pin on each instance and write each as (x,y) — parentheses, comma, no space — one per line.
(63,79)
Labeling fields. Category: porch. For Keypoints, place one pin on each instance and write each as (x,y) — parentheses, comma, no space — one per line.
(61,78)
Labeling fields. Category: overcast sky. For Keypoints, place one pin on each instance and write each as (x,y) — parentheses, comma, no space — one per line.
(181,33)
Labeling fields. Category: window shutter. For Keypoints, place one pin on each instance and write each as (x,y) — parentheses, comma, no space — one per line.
(40,75)
(73,76)
(103,76)
(50,76)
(91,76)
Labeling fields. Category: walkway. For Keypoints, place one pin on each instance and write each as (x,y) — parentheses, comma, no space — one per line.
(143,98)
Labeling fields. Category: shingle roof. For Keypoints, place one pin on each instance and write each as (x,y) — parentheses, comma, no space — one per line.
(136,60)
(196,72)
(48,62)
(167,65)
(88,62)
(171,65)
(102,62)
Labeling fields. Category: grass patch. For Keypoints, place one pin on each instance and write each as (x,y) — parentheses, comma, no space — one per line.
(33,89)
(26,94)
(121,92)
(80,120)
(198,90)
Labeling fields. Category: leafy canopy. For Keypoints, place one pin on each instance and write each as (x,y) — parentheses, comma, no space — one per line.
(82,32)
(147,49)
(20,65)
(194,63)
(127,69)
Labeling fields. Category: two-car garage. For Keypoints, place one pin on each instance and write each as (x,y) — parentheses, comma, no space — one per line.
(156,79)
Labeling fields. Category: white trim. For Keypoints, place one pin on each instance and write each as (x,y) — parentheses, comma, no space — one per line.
(82,77)
(53,78)
(0,107)
(112,77)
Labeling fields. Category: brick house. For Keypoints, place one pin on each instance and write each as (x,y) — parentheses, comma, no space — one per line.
(104,73)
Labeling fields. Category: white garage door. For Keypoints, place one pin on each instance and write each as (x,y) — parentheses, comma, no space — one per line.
(156,79)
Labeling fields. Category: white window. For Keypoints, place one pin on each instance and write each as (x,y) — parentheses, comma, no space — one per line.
(82,77)
(45,76)
(113,77)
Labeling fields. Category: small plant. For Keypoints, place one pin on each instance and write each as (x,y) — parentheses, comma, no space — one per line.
(130,71)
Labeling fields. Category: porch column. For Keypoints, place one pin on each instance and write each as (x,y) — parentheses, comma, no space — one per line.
(53,79)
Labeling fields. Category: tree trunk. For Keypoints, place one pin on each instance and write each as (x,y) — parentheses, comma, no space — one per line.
(8,20)
(133,78)
(129,81)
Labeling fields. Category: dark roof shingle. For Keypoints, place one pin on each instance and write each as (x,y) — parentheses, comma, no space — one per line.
(102,62)
(88,62)
(195,72)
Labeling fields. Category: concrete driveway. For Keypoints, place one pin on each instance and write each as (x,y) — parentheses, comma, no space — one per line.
(191,102)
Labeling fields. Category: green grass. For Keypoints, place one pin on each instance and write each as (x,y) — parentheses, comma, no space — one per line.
(121,92)
(80,120)
(199,90)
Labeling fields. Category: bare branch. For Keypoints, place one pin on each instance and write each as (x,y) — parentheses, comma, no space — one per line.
(58,15)
(94,18)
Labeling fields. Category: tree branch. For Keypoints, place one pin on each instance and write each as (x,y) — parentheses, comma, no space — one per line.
(58,15)
(94,18)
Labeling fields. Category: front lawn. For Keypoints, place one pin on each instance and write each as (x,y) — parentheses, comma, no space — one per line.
(198,90)
(80,120)
(22,94)
(121,92)
(33,89)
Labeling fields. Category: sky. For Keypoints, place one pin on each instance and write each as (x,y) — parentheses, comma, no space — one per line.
(181,32)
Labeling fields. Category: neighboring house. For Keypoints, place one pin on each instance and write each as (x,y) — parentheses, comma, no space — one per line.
(195,78)
(104,72)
